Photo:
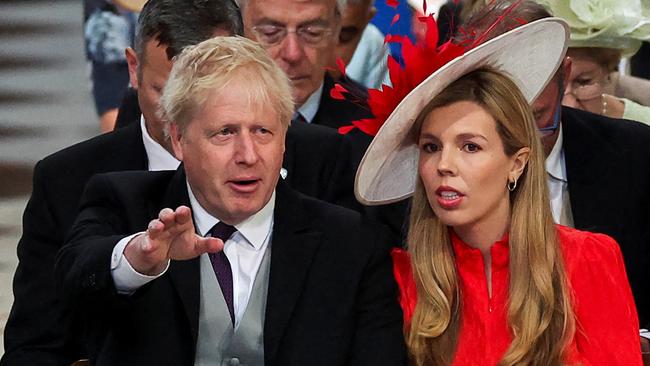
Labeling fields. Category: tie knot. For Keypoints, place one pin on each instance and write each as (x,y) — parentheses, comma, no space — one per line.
(298,118)
(222,231)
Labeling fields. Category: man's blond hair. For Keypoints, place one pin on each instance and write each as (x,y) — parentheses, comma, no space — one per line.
(211,66)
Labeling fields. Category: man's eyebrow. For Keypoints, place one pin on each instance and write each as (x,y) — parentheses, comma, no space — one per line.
(318,21)
(307,23)
(269,21)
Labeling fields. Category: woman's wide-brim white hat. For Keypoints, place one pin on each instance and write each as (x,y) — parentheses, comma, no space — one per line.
(530,55)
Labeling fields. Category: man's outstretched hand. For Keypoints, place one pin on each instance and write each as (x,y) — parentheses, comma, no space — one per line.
(170,236)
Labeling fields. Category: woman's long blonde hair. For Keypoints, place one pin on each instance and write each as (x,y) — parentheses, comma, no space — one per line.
(540,315)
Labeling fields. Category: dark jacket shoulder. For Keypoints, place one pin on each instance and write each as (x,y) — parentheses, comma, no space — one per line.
(119,149)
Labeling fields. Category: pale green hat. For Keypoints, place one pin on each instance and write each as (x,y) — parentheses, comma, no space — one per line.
(617,24)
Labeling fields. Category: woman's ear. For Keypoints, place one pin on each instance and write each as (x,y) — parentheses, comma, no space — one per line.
(519,161)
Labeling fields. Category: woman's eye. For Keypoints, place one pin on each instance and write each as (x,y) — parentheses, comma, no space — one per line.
(471,147)
(585,82)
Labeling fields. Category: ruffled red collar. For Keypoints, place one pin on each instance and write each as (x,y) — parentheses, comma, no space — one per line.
(468,258)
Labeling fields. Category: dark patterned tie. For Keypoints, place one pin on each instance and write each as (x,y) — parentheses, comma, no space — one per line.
(221,265)
(298,118)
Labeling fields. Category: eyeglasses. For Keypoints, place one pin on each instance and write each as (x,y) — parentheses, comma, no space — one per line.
(311,35)
(587,89)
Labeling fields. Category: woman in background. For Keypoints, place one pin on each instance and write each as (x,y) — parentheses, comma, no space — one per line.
(600,36)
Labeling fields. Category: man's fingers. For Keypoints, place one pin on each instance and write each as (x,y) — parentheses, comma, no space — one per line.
(208,245)
(144,254)
(183,215)
(167,217)
(155,229)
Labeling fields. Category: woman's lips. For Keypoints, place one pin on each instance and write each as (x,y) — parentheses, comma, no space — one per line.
(449,198)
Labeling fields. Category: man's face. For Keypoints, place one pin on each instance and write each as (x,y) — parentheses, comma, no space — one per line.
(232,152)
(546,109)
(304,62)
(149,76)
(354,20)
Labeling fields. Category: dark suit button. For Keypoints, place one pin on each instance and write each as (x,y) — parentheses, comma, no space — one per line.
(89,282)
(234,361)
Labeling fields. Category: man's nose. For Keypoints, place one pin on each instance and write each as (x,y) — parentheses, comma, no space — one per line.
(246,150)
(570,100)
(291,49)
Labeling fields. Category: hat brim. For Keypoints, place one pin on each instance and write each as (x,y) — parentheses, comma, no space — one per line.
(530,55)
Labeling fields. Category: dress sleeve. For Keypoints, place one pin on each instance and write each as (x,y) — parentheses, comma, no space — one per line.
(607,326)
(405,282)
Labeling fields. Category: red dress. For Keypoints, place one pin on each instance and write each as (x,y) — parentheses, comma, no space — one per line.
(606,319)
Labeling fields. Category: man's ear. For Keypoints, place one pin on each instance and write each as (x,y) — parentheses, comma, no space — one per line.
(132,63)
(567,63)
(519,162)
(175,135)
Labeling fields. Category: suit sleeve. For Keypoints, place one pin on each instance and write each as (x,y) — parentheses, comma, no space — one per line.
(607,327)
(83,267)
(34,333)
(379,338)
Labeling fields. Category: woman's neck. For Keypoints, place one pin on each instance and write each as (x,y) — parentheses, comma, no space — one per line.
(483,234)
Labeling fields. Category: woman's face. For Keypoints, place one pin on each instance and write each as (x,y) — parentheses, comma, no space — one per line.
(464,168)
(586,84)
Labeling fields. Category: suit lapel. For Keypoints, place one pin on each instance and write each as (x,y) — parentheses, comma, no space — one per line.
(184,275)
(293,247)
(288,161)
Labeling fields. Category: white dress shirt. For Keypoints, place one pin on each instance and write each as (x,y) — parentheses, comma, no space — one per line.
(158,159)
(309,109)
(368,65)
(558,185)
(244,250)
(157,156)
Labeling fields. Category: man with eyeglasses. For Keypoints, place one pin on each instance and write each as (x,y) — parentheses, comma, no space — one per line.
(598,179)
(598,174)
(302,36)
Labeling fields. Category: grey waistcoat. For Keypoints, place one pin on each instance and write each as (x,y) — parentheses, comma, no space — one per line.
(217,343)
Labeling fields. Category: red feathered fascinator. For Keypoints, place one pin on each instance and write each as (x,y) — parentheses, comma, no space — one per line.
(420,60)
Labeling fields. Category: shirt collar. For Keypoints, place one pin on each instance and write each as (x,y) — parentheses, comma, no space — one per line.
(310,107)
(555,165)
(159,158)
(254,229)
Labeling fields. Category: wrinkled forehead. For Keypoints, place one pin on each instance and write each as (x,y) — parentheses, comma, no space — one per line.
(290,12)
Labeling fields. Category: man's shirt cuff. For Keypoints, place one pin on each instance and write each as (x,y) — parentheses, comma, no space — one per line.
(127,280)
